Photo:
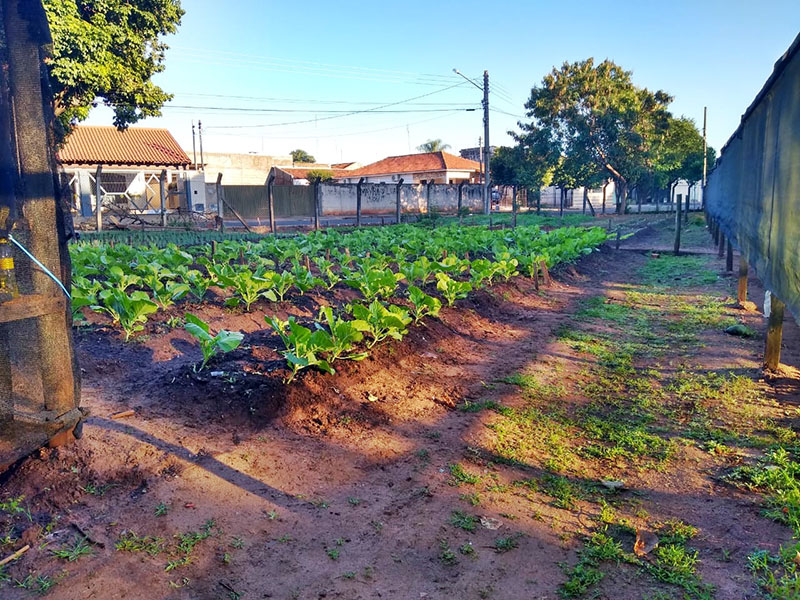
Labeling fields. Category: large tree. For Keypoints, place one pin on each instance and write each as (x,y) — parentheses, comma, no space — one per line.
(433,146)
(109,51)
(595,114)
(301,156)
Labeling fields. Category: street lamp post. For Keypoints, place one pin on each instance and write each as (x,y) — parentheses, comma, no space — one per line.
(486,158)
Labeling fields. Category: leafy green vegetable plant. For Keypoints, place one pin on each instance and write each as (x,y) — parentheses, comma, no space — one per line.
(423,304)
(304,348)
(130,311)
(381,322)
(451,289)
(343,335)
(224,341)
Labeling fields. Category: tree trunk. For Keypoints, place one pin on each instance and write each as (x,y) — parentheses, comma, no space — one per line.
(621,191)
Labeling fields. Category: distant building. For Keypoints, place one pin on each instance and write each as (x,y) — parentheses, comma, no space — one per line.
(476,154)
(241,169)
(131,160)
(435,167)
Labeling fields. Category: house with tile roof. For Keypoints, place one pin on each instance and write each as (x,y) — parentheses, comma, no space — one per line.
(427,167)
(130,164)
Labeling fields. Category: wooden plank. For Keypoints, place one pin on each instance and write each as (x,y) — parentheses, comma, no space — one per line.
(29,306)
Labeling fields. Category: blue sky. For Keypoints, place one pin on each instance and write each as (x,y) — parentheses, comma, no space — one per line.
(233,61)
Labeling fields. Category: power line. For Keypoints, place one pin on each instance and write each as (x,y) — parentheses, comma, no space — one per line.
(258,65)
(349,133)
(339,116)
(307,100)
(312,110)
(314,65)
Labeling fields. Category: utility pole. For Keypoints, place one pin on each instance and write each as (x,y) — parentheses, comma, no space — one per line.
(200,133)
(194,149)
(486,183)
(486,159)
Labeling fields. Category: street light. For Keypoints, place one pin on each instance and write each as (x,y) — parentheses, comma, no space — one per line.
(486,157)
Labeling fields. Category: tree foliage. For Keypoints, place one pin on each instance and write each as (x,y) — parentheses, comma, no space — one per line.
(109,50)
(301,156)
(529,164)
(596,115)
(433,146)
(319,175)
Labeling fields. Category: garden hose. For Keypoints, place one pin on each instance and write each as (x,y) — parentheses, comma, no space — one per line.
(40,265)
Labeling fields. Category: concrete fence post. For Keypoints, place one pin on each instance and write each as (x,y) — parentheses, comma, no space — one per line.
(428,197)
(358,201)
(220,214)
(98,199)
(461,202)
(514,206)
(398,207)
(316,204)
(162,189)
(271,202)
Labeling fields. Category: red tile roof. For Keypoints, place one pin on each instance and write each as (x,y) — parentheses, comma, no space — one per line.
(415,163)
(93,145)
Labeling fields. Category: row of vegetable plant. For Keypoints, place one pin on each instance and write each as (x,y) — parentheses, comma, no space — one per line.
(407,264)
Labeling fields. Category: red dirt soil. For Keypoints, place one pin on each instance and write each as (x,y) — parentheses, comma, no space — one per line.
(355,463)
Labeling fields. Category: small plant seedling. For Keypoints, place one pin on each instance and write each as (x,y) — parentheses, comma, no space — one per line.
(460,475)
(72,552)
(505,544)
(467,549)
(354,501)
(349,575)
(446,554)
(463,521)
(161,510)
(237,542)
(97,489)
(272,515)
(333,553)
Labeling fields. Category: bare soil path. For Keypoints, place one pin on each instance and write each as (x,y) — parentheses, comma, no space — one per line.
(480,458)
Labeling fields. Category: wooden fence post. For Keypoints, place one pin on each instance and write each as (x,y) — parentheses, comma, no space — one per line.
(98,199)
(772,350)
(162,190)
(729,257)
(721,249)
(741,292)
(358,201)
(398,206)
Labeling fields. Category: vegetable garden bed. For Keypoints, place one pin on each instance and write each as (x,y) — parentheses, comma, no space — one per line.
(329,296)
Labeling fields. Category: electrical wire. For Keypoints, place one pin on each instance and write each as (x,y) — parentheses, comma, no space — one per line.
(347,134)
(311,110)
(338,116)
